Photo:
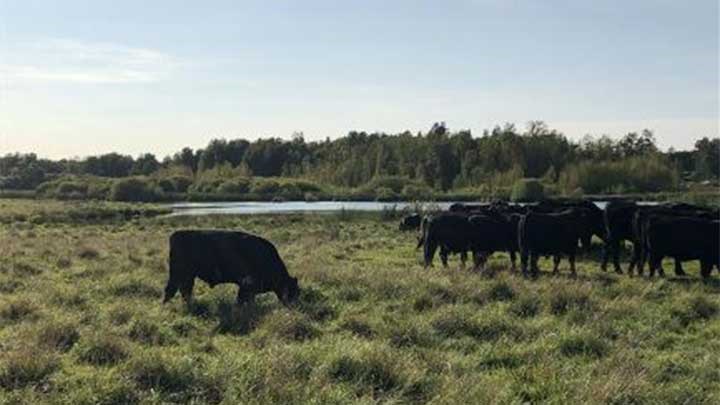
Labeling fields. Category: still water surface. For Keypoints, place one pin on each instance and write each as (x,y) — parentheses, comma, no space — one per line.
(292,207)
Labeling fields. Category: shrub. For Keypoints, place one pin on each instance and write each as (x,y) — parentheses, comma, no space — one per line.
(205,186)
(649,173)
(527,190)
(385,194)
(235,186)
(413,192)
(265,186)
(396,184)
(181,184)
(133,189)
(291,192)
(72,187)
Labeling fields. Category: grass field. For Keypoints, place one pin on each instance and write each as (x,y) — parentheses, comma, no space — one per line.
(81,321)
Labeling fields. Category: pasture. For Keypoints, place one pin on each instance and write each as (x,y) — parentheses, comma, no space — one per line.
(81,321)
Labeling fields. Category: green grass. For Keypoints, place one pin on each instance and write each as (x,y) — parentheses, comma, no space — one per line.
(81,321)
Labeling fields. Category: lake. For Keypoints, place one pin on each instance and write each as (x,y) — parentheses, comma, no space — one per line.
(293,207)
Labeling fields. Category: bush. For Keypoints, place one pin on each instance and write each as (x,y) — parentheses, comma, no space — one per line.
(291,192)
(205,186)
(525,190)
(265,186)
(181,183)
(385,194)
(133,189)
(235,186)
(413,192)
(640,174)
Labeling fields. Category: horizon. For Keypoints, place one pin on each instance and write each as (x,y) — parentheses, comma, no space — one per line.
(79,79)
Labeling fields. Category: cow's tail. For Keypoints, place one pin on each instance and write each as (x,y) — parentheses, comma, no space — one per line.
(430,246)
(423,233)
(172,284)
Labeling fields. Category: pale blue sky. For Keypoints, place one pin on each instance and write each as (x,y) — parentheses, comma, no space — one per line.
(87,77)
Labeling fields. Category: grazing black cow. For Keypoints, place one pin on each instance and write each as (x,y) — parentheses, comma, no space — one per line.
(594,224)
(410,222)
(618,228)
(683,238)
(451,232)
(218,257)
(444,251)
(494,233)
(553,234)
(640,225)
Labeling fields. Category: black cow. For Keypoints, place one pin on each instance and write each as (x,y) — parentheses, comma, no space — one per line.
(451,232)
(463,207)
(553,234)
(594,224)
(683,238)
(410,222)
(218,257)
(493,233)
(618,228)
(640,226)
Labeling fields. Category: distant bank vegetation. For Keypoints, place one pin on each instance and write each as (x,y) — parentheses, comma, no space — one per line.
(438,164)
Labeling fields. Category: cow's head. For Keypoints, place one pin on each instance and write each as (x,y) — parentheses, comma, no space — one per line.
(290,292)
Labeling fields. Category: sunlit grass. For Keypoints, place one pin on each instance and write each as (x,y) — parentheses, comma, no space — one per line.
(81,322)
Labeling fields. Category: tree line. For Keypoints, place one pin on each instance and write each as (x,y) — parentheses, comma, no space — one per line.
(439,159)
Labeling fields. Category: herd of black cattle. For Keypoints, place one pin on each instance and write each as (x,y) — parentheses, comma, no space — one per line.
(553,228)
(549,228)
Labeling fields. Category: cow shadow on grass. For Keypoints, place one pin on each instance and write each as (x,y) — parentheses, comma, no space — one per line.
(232,318)
(242,320)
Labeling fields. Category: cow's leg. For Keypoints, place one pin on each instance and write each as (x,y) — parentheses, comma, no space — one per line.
(524,256)
(186,289)
(678,268)
(606,255)
(655,262)
(534,264)
(706,267)
(513,260)
(170,289)
(429,251)
(614,249)
(556,263)
(463,259)
(571,259)
(616,256)
(633,260)
(444,257)
(477,260)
